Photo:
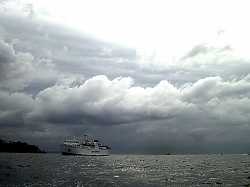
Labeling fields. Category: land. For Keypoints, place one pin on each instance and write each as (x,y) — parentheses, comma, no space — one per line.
(18,147)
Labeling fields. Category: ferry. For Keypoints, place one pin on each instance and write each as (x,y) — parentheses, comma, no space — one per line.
(84,146)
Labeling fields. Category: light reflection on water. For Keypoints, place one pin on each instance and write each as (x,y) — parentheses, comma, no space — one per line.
(124,170)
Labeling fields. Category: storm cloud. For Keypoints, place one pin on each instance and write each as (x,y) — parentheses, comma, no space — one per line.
(56,82)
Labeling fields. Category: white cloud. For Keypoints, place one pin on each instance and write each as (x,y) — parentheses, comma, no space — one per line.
(214,87)
(203,95)
(118,101)
(153,26)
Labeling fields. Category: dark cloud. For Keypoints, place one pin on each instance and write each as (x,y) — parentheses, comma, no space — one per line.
(55,82)
(185,114)
(7,53)
(20,69)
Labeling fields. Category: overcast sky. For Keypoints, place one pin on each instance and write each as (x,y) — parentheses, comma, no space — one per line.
(142,76)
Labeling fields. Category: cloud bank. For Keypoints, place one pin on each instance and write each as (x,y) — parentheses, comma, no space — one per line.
(55,82)
(196,110)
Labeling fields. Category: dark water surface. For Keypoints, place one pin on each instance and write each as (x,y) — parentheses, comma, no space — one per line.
(124,170)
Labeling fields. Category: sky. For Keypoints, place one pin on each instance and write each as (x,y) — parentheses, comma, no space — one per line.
(142,76)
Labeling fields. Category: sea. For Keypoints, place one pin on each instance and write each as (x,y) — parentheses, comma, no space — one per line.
(25,169)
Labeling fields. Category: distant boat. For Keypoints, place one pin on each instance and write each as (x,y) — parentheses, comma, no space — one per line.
(84,146)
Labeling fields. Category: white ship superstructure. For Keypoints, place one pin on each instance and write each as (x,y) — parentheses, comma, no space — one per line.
(84,146)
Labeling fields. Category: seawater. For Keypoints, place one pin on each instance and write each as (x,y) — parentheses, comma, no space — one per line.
(21,169)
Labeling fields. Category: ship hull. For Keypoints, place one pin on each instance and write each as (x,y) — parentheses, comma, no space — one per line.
(85,151)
